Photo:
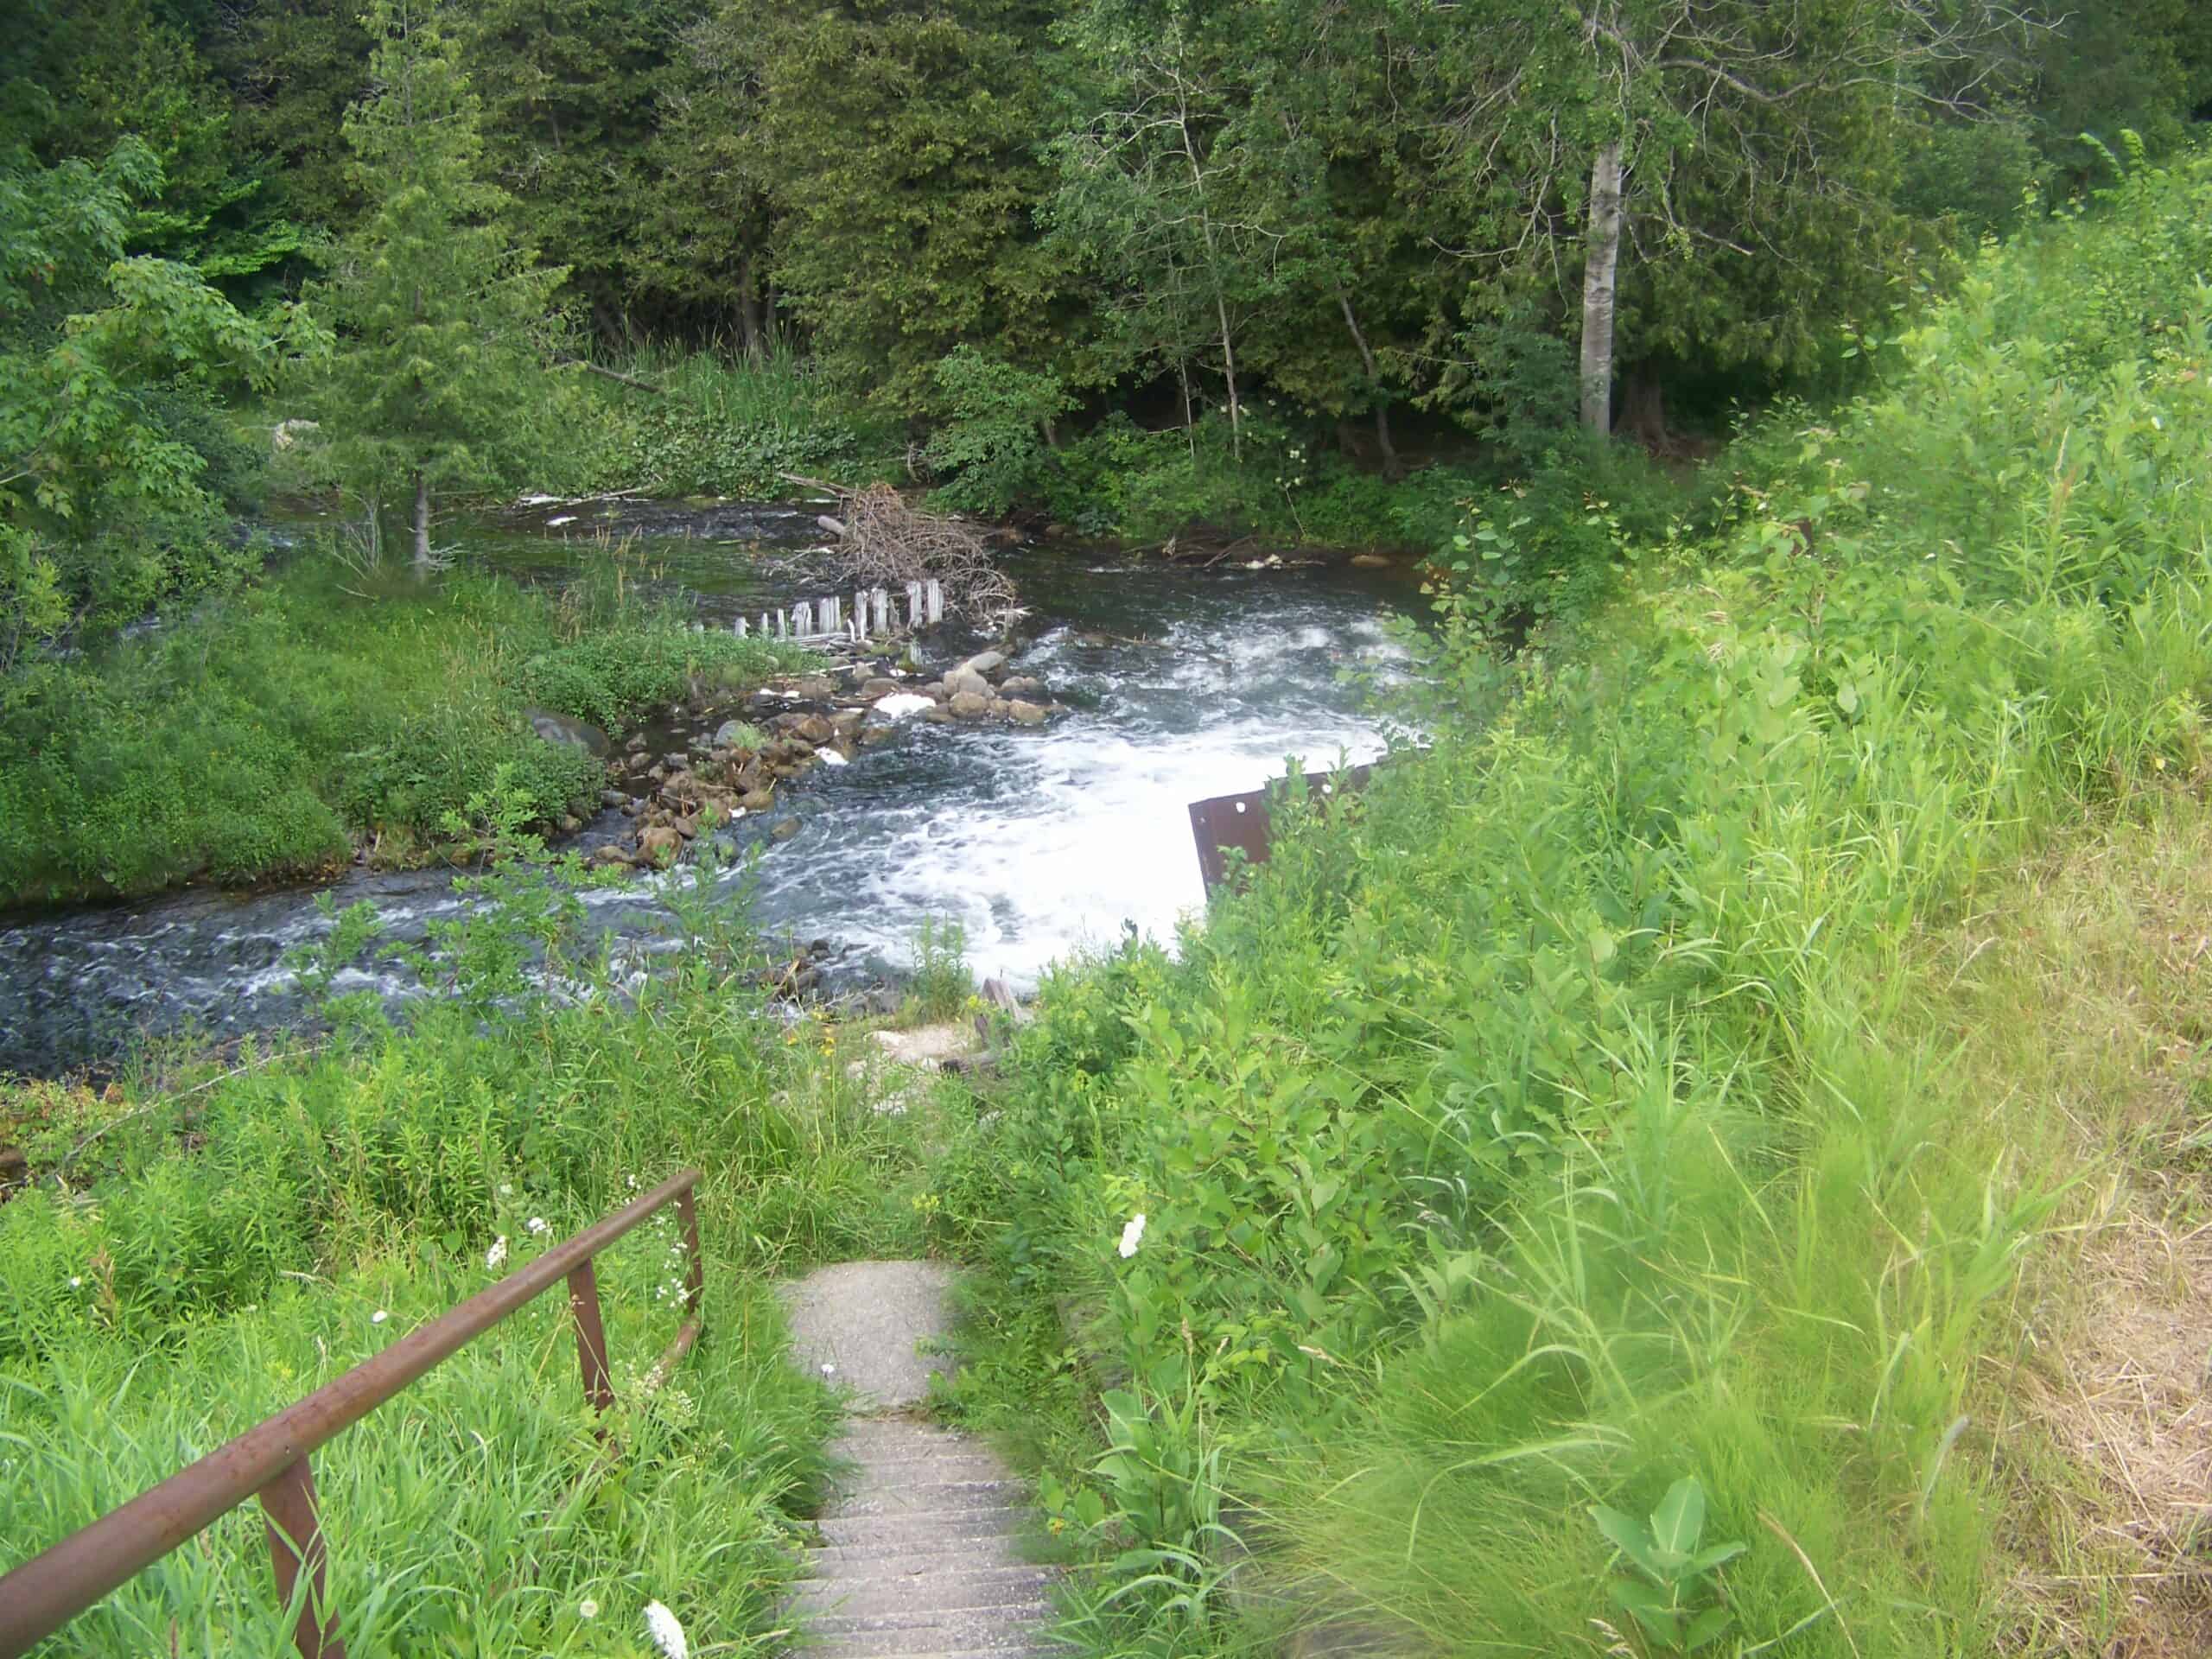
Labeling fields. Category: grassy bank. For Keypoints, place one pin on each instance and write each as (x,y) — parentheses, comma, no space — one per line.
(274,731)
(198,1250)
(1587,1110)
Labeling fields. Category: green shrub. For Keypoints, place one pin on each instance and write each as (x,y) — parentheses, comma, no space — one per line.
(992,441)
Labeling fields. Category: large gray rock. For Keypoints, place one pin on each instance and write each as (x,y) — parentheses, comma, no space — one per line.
(565,728)
(985,662)
(965,680)
(970,705)
(1024,714)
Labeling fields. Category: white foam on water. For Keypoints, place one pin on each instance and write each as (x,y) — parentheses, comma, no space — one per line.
(897,705)
(1049,841)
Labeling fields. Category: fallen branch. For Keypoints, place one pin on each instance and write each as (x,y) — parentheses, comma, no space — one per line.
(614,375)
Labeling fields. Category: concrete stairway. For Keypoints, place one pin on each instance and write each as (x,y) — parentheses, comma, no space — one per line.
(920,1557)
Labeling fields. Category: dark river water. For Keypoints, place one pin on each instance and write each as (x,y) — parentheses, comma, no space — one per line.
(1183,682)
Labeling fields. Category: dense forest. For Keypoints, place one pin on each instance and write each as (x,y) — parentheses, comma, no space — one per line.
(1131,264)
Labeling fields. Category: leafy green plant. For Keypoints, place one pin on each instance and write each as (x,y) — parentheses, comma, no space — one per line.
(1673,1594)
(992,442)
(940,983)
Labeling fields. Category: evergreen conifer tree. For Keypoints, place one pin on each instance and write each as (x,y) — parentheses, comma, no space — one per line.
(442,321)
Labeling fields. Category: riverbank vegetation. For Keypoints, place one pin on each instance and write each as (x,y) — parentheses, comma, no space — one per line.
(1690,1159)
(329,712)
(211,1239)
(1700,1066)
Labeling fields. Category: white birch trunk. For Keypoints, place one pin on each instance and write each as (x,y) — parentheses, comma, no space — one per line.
(1600,285)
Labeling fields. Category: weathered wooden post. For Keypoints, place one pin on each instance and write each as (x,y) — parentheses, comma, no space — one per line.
(936,601)
(830,621)
(803,618)
(879,604)
(738,627)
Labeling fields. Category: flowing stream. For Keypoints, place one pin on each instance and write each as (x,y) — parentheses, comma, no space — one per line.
(1183,683)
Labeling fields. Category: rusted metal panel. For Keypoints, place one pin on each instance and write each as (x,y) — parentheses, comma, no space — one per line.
(1242,823)
(270,1459)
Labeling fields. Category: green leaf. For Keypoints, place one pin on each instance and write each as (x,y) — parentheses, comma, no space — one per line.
(1679,1518)
(1649,1607)
(1627,1534)
(1708,1626)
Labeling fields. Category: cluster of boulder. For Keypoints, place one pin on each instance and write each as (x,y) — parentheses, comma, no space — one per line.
(674,795)
(981,688)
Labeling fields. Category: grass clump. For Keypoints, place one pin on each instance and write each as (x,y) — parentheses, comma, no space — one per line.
(1574,1113)
(274,732)
(941,981)
(723,424)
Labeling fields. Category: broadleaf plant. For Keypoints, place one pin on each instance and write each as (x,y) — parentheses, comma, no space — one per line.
(1672,1595)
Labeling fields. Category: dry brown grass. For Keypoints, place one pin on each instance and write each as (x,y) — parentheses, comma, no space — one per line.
(2083,999)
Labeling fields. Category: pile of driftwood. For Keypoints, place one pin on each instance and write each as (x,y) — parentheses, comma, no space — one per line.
(882,540)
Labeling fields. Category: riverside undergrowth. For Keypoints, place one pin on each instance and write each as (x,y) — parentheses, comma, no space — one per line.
(1565,1118)
(209,1241)
(272,731)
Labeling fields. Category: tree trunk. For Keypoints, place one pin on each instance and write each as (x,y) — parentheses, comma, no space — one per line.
(1229,374)
(1600,284)
(1391,469)
(1644,413)
(422,523)
(748,312)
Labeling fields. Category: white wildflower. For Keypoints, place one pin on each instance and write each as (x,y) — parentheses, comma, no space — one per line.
(586,1608)
(75,1283)
(506,1188)
(378,1317)
(828,1370)
(667,1634)
(1132,1236)
(497,1253)
(539,1224)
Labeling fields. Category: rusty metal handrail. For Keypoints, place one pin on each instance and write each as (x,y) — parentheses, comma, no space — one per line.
(270,1459)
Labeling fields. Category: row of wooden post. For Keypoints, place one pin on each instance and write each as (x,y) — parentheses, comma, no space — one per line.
(875,613)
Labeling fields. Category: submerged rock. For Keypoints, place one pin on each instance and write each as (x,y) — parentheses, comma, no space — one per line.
(566,729)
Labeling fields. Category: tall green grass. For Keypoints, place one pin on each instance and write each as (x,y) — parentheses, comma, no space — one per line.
(721,423)
(1568,1116)
(274,731)
(205,1247)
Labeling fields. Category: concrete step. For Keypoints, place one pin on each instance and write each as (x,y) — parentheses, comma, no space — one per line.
(920,1558)
(918,1553)
(900,1645)
(957,1496)
(951,1527)
(1000,1625)
(962,1463)
(935,1595)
